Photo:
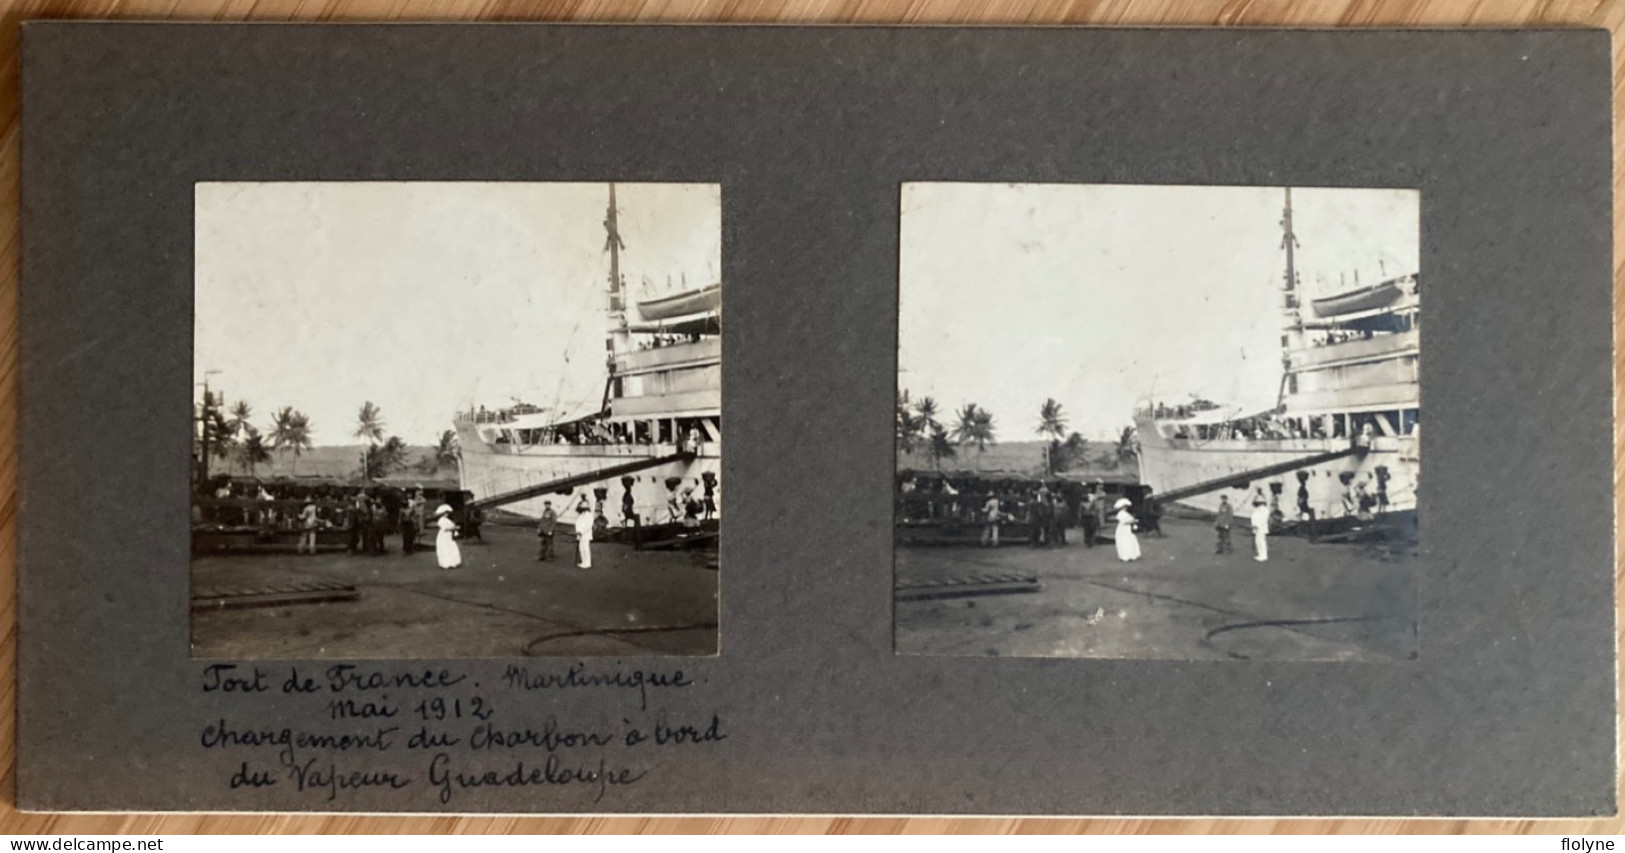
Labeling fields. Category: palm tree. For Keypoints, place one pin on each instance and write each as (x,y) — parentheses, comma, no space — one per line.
(964,423)
(282,429)
(369,425)
(253,449)
(386,458)
(393,453)
(298,439)
(909,426)
(1073,449)
(975,427)
(985,430)
(1051,420)
(241,412)
(222,441)
(448,451)
(1051,423)
(940,448)
(927,411)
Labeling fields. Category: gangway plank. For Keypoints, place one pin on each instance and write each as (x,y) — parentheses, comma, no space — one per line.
(1245,477)
(565,483)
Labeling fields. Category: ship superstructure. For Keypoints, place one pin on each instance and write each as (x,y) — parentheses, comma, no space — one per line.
(648,448)
(1342,442)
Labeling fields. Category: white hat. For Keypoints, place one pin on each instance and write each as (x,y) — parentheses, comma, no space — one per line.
(442,510)
(1121,502)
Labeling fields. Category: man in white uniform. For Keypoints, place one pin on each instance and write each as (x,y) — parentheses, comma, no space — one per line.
(584,521)
(1261,528)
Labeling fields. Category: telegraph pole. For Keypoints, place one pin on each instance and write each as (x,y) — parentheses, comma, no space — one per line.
(204,422)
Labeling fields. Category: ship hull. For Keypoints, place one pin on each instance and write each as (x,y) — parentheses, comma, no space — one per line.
(487,471)
(1382,481)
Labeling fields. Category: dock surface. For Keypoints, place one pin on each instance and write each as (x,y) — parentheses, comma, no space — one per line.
(499,604)
(1179,602)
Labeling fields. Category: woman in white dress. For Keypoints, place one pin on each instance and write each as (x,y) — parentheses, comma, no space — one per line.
(445,547)
(1128,545)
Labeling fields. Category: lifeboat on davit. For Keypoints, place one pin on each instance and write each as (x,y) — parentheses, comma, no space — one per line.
(1365,299)
(704,300)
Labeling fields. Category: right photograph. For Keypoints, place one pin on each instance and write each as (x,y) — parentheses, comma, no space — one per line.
(1158,422)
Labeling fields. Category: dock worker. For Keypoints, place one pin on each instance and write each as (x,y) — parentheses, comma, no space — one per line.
(356,516)
(419,508)
(1057,516)
(674,507)
(1101,505)
(1261,528)
(265,518)
(1088,519)
(375,529)
(447,554)
(1152,520)
(1222,523)
(409,530)
(544,531)
(1128,545)
(307,524)
(629,509)
(267,514)
(1305,511)
(584,521)
(1038,518)
(990,530)
(691,509)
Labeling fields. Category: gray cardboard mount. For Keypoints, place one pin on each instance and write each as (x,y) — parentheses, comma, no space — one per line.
(810,131)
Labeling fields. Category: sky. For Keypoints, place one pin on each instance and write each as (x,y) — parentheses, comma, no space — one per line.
(1102,295)
(426,298)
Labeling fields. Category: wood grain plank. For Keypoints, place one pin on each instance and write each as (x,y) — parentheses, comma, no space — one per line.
(1609,14)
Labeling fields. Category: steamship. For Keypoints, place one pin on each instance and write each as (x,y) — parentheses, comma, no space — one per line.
(1342,441)
(646,449)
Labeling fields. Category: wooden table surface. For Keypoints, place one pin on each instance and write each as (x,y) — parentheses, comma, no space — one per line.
(1235,13)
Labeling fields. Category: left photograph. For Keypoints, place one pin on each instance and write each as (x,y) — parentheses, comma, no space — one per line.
(452,420)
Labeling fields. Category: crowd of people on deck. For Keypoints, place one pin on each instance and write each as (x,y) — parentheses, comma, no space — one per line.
(686,436)
(1358,428)
(1338,336)
(1163,411)
(659,341)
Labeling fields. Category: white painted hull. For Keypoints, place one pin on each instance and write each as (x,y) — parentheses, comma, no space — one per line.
(487,473)
(1167,464)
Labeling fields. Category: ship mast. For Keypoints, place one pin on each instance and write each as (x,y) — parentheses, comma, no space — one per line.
(1291,304)
(619,335)
(1289,241)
